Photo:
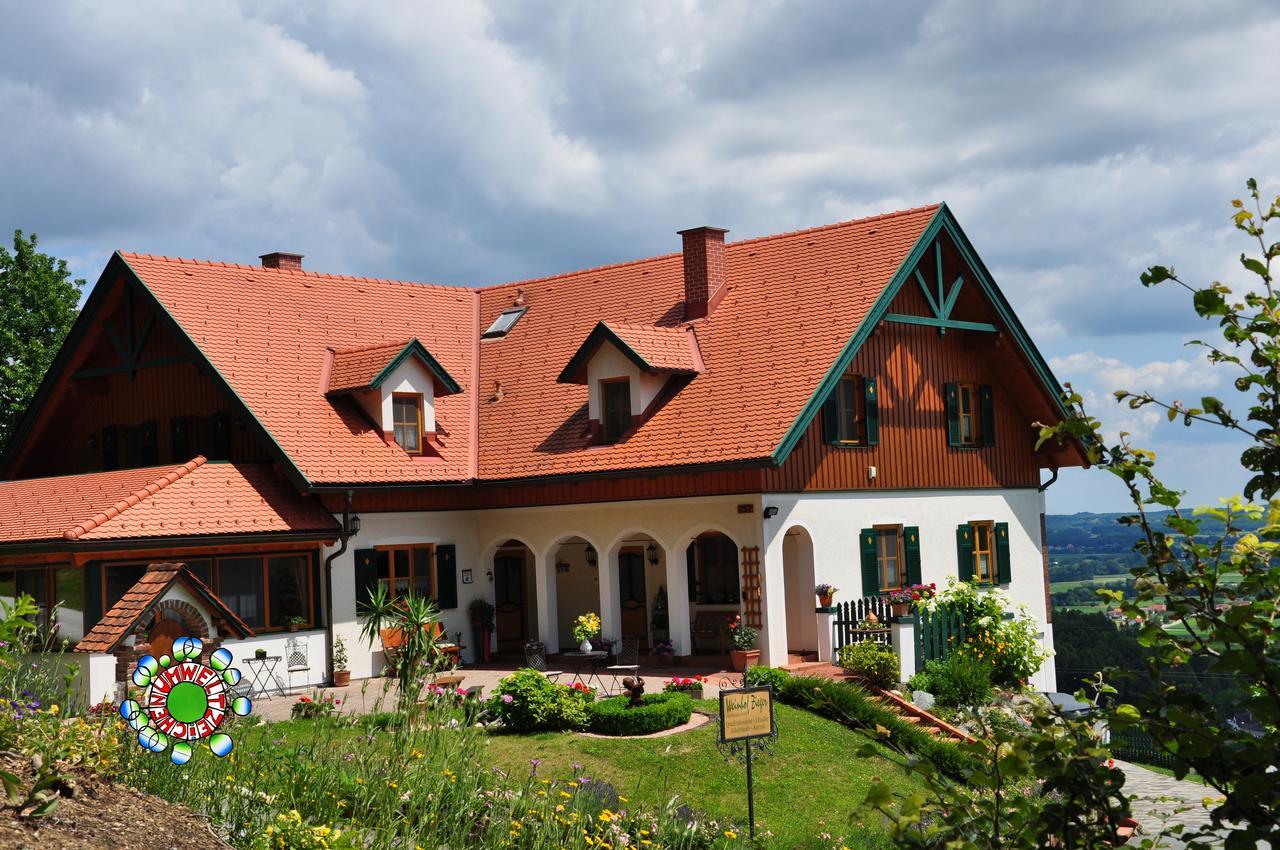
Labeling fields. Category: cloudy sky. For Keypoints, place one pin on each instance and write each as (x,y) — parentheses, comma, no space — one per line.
(1077,143)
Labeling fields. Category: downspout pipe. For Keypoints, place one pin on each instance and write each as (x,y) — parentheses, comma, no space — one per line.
(343,536)
(1052,478)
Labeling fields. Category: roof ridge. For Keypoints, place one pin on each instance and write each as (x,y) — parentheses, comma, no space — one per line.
(77,531)
(752,241)
(446,287)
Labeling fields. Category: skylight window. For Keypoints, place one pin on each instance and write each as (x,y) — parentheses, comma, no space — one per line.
(504,323)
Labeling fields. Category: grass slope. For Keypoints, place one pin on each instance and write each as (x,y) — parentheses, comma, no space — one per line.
(807,786)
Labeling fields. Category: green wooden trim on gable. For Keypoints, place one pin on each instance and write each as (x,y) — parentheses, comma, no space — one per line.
(418,351)
(942,221)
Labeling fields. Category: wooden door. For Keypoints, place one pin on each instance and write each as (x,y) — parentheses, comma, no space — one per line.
(162,636)
(508,582)
(631,592)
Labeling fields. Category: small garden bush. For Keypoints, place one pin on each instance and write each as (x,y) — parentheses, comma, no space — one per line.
(614,716)
(961,680)
(527,701)
(756,676)
(871,661)
(921,681)
(851,705)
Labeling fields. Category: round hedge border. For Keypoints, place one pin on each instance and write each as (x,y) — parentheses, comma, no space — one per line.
(656,713)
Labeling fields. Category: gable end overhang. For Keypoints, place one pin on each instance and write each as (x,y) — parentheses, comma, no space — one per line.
(942,222)
(575,371)
(419,352)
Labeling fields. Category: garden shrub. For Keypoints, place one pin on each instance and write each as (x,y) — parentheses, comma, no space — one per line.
(615,716)
(961,680)
(775,676)
(871,661)
(850,704)
(999,632)
(527,701)
(921,681)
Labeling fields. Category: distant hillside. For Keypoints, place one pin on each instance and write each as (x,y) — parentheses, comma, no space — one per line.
(1100,534)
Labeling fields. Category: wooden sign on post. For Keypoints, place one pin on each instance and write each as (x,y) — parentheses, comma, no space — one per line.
(746,717)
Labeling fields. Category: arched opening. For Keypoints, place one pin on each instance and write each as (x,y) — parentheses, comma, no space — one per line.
(640,602)
(577,570)
(516,614)
(715,588)
(798,580)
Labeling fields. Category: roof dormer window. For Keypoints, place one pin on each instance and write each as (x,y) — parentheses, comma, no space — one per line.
(504,323)
(615,401)
(406,412)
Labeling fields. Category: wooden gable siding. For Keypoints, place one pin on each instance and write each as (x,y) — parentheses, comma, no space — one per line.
(911,365)
(82,408)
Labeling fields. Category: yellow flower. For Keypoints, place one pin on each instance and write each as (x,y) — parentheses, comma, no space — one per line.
(730,835)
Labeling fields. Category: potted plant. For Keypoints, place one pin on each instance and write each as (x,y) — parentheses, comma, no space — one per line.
(585,628)
(743,639)
(903,598)
(259,654)
(296,623)
(482,624)
(826,592)
(341,675)
(664,651)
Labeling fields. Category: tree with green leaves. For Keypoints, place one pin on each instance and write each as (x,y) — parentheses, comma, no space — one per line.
(40,302)
(1226,627)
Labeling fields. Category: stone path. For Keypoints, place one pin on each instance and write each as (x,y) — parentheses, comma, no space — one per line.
(1160,801)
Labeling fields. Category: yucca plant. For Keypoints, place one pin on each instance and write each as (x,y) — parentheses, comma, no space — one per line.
(418,655)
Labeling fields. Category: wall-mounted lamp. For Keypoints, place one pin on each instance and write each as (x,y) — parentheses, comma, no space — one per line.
(770,511)
(353,524)
(489,575)
(651,552)
(593,557)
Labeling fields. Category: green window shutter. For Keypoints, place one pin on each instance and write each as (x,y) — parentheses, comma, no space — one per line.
(92,595)
(870,569)
(179,442)
(951,395)
(964,551)
(447,576)
(911,548)
(831,418)
(871,402)
(366,574)
(988,415)
(690,559)
(1004,568)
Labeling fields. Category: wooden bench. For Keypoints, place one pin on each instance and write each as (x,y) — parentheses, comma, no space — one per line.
(707,624)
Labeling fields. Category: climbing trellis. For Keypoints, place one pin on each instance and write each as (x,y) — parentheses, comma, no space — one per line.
(751,596)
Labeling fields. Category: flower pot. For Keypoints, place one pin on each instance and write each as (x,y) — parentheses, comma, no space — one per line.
(744,658)
(585,646)
(341,678)
(900,609)
(293,627)
(825,600)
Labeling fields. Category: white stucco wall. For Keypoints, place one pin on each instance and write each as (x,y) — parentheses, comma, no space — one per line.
(609,362)
(833,521)
(409,377)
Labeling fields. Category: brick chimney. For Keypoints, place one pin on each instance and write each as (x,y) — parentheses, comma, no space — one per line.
(703,270)
(282,260)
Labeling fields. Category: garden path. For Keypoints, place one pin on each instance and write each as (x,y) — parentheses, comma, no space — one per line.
(1156,800)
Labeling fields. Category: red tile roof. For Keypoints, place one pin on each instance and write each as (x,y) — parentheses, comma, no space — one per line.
(193,499)
(654,349)
(792,302)
(355,368)
(117,623)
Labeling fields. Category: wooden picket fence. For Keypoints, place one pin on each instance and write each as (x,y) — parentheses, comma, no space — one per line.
(844,627)
(938,633)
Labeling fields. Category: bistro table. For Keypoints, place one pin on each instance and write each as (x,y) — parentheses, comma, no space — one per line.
(591,661)
(263,677)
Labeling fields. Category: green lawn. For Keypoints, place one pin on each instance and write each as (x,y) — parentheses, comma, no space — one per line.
(808,786)
(1108,579)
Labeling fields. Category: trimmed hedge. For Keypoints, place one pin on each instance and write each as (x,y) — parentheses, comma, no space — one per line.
(657,712)
(775,676)
(851,705)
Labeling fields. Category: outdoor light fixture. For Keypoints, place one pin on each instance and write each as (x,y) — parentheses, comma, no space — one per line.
(353,524)
(489,575)
(651,552)
(593,557)
(771,511)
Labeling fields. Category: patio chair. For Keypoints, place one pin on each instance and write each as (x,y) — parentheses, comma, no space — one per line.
(535,656)
(296,658)
(626,661)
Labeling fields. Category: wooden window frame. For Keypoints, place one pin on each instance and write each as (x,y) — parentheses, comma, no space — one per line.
(990,551)
(419,399)
(901,557)
(264,557)
(604,410)
(50,588)
(408,549)
(974,415)
(859,383)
